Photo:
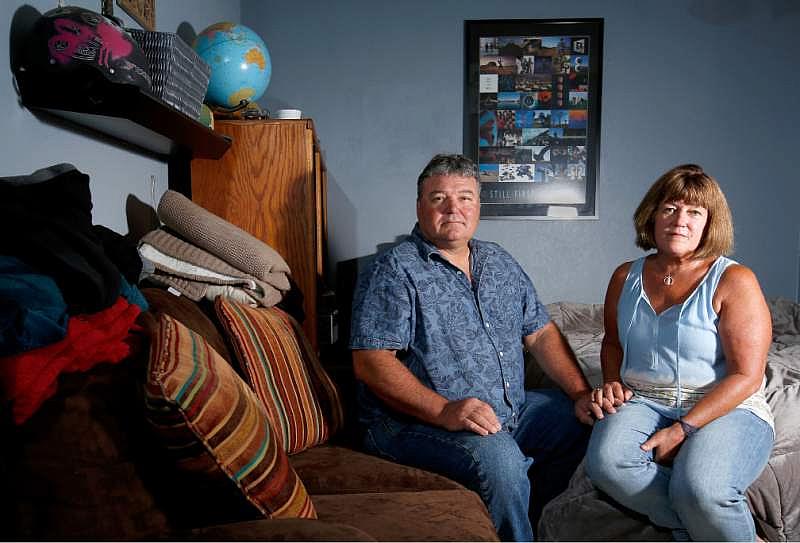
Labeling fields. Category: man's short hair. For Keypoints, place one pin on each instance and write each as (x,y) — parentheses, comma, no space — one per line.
(443,164)
(692,185)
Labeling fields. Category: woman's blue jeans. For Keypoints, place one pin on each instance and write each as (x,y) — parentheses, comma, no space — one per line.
(546,444)
(703,492)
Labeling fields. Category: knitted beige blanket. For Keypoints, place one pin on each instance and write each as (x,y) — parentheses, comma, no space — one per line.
(199,274)
(219,237)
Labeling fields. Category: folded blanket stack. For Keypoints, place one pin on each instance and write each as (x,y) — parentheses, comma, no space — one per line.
(32,310)
(29,378)
(202,255)
(66,298)
(46,220)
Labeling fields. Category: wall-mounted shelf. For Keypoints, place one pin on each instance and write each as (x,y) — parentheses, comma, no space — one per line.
(125,113)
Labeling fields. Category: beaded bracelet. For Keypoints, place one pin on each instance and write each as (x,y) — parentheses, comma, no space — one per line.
(688,429)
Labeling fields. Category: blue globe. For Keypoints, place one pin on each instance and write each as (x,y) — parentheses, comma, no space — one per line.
(239,61)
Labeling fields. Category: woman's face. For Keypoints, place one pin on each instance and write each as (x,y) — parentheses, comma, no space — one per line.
(679,227)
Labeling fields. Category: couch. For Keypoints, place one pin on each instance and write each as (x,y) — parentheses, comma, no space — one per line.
(100,460)
(583,513)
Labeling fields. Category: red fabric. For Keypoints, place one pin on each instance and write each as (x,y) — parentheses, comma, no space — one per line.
(29,378)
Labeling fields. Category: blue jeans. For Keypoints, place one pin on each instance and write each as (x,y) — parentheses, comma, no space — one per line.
(544,446)
(703,492)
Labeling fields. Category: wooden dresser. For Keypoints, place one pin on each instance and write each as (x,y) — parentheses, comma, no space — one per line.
(272,183)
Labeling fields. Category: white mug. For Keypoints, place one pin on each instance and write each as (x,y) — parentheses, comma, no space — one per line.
(288,114)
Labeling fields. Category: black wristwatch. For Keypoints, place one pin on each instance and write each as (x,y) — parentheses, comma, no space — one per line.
(688,429)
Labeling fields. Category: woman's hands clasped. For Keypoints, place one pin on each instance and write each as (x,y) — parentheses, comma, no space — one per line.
(611,395)
(603,399)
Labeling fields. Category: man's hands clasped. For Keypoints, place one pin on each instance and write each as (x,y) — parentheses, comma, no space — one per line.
(611,395)
(591,405)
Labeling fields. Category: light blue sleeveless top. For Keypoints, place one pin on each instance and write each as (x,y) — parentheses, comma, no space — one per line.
(676,356)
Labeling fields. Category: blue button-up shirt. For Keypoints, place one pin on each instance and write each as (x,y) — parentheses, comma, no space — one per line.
(460,338)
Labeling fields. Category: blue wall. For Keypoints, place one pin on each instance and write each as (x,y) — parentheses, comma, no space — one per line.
(30,143)
(707,81)
(713,82)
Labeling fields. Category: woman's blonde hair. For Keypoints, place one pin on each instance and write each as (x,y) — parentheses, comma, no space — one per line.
(689,183)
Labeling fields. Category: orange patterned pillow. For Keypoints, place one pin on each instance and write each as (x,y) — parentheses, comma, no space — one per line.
(213,424)
(284,372)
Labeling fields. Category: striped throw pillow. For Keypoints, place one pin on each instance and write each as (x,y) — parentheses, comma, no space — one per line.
(213,424)
(325,390)
(284,372)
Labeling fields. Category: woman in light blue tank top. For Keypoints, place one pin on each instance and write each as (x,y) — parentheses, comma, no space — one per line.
(687,331)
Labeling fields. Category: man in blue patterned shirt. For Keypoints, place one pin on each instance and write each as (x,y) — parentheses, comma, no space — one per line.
(439,326)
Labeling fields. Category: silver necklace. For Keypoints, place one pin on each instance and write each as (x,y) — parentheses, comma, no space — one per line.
(668,280)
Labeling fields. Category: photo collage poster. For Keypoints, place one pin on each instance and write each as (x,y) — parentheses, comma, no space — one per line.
(533,117)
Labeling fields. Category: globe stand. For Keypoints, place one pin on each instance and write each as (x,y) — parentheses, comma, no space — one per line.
(245,109)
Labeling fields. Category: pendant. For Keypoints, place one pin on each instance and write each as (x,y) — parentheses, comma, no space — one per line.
(668,280)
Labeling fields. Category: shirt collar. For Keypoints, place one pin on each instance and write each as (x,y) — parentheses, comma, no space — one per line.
(428,249)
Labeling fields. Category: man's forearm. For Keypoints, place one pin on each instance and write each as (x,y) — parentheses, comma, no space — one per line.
(395,385)
(557,360)
(400,389)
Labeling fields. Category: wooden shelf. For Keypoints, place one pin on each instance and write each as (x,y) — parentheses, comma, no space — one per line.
(125,113)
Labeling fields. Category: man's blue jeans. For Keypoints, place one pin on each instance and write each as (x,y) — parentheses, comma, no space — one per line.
(545,446)
(703,493)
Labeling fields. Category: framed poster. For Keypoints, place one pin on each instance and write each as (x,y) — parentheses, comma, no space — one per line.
(532,115)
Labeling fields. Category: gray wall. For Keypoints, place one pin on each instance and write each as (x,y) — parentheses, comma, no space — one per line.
(713,82)
(30,143)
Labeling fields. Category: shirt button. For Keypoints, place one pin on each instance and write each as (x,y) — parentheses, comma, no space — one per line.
(501,354)
(507,385)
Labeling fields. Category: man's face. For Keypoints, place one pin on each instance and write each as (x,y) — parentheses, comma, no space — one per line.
(448,210)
